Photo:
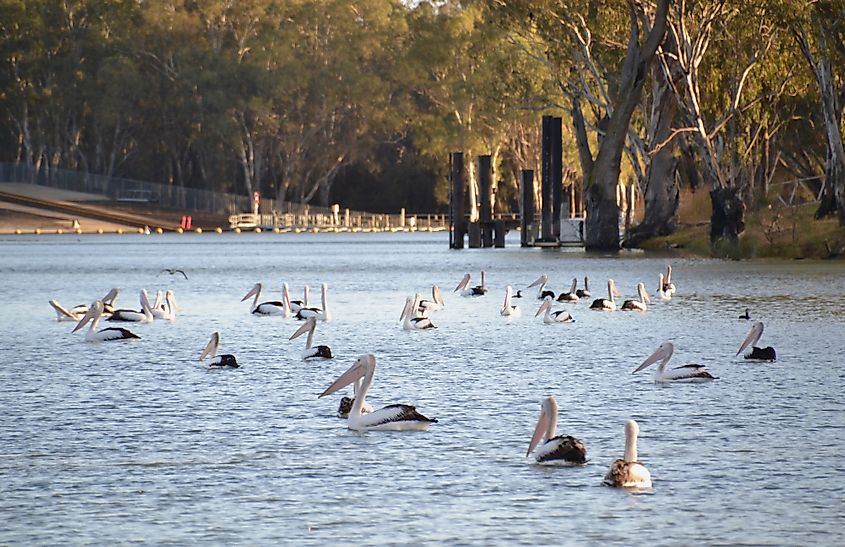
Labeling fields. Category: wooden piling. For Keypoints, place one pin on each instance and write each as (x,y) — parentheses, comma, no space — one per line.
(546,181)
(556,167)
(485,183)
(457,222)
(527,210)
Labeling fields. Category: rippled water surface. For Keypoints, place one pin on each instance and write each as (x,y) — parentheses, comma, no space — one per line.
(136,442)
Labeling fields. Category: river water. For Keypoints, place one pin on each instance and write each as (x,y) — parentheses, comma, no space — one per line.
(137,442)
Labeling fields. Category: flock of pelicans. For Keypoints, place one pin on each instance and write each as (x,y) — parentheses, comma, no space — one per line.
(547,447)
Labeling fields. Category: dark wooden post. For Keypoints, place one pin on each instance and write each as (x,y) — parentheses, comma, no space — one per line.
(499,231)
(457,223)
(526,213)
(485,183)
(556,165)
(546,181)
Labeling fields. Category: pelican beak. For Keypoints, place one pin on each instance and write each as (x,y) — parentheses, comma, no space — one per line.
(252,292)
(464,282)
(406,310)
(614,289)
(309,324)
(355,372)
(211,347)
(754,335)
(646,297)
(547,303)
(435,290)
(658,355)
(89,315)
(110,297)
(542,424)
(539,281)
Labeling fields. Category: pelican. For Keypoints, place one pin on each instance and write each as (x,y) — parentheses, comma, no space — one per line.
(310,326)
(586,292)
(77,312)
(218,361)
(133,316)
(414,323)
(347,402)
(167,310)
(436,302)
(638,305)
(551,317)
(478,290)
(508,309)
(572,295)
(541,292)
(757,354)
(320,313)
(94,313)
(664,296)
(746,315)
(287,305)
(561,449)
(606,304)
(628,472)
(668,286)
(685,373)
(389,418)
(273,307)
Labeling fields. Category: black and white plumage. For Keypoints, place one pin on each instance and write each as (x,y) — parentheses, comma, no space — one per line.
(668,286)
(311,351)
(757,354)
(542,292)
(77,312)
(145,315)
(638,305)
(94,313)
(585,292)
(346,403)
(661,293)
(226,360)
(606,304)
(466,290)
(556,449)
(572,295)
(165,308)
(323,313)
(686,373)
(436,303)
(627,472)
(550,317)
(410,321)
(389,418)
(273,307)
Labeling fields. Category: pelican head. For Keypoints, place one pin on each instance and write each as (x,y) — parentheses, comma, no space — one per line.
(611,288)
(463,283)
(363,366)
(436,296)
(308,326)
(632,430)
(254,291)
(546,305)
(546,424)
(753,336)
(542,280)
(111,296)
(94,312)
(211,348)
(662,353)
(643,293)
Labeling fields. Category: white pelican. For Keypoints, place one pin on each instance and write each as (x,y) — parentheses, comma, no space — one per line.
(668,286)
(167,310)
(105,335)
(541,292)
(346,402)
(572,295)
(310,325)
(684,373)
(628,472)
(478,290)
(389,418)
(508,309)
(560,449)
(638,305)
(759,354)
(287,306)
(664,296)
(606,304)
(133,316)
(551,317)
(76,312)
(411,322)
(585,293)
(436,302)
(218,361)
(273,307)
(323,313)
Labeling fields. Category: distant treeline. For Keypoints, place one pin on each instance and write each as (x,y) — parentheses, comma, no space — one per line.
(361,102)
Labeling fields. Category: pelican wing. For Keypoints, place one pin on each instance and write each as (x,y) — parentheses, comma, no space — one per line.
(562,447)
(396,413)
